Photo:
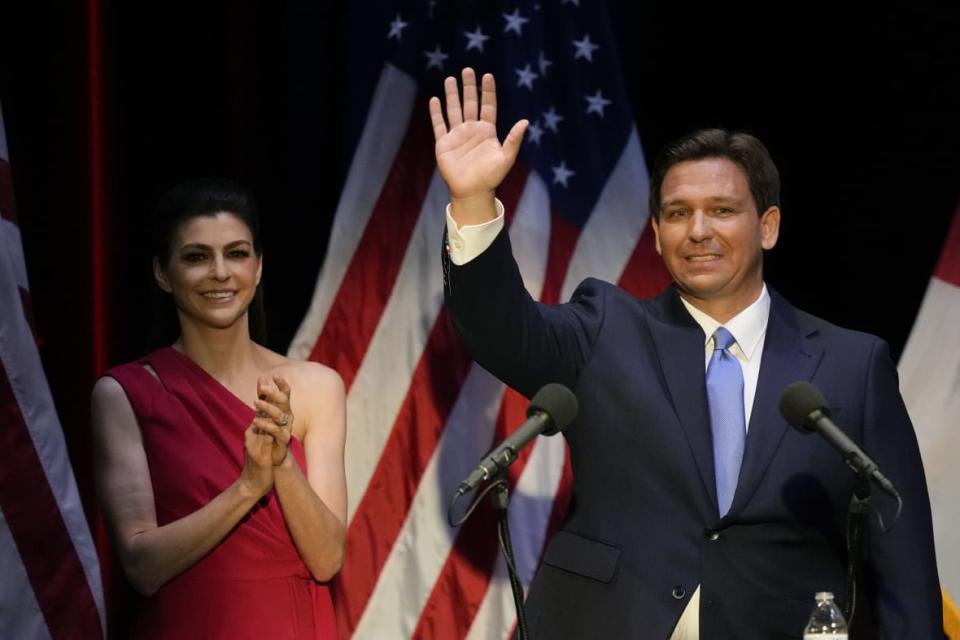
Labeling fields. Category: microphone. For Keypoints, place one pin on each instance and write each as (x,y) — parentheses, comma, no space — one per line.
(806,409)
(551,410)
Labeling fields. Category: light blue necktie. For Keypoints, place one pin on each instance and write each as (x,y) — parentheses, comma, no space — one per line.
(727,423)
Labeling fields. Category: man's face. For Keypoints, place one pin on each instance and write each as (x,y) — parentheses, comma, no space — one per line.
(710,235)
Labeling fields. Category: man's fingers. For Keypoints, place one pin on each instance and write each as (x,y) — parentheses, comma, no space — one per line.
(511,144)
(488,99)
(454,112)
(471,106)
(436,119)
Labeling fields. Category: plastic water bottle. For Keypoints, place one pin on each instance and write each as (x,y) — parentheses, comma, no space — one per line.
(826,621)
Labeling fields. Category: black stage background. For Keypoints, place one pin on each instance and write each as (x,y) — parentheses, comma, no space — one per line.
(107,103)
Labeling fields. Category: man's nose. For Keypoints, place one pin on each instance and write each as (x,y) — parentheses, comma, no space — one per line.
(700,228)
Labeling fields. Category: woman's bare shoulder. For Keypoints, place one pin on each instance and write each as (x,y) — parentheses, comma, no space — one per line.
(108,391)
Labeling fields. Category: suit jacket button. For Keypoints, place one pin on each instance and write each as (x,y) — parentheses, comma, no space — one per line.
(678,592)
(713,536)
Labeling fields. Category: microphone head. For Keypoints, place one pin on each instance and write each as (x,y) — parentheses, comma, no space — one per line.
(798,401)
(556,401)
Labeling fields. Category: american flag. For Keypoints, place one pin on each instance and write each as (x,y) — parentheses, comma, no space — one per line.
(50,579)
(420,413)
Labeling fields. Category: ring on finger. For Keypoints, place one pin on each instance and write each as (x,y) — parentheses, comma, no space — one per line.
(284,420)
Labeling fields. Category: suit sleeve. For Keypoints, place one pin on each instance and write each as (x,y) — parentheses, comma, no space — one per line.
(522,342)
(901,563)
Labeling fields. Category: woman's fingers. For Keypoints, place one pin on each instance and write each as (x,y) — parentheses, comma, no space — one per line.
(275,391)
(282,385)
(269,410)
(268,428)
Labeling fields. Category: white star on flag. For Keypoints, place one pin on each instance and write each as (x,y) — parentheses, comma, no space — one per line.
(596,103)
(561,174)
(397,27)
(584,48)
(525,77)
(476,39)
(551,119)
(543,63)
(435,58)
(515,22)
(535,132)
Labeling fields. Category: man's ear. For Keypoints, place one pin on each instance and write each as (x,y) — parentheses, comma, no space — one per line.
(160,276)
(656,234)
(770,228)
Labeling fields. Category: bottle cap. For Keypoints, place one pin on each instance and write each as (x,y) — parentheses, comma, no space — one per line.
(823,595)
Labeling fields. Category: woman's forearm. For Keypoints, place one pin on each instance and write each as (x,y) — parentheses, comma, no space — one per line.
(153,557)
(317,533)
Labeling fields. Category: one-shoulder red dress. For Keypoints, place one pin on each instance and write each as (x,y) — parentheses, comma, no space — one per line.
(254,583)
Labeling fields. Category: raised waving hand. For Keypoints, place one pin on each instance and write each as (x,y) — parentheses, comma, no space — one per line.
(472,161)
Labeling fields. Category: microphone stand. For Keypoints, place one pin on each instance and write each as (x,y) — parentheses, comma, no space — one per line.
(860,505)
(499,490)
(500,499)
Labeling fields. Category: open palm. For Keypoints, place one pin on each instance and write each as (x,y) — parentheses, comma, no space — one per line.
(471,159)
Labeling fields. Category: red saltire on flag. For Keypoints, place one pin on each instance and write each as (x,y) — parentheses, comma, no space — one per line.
(50,584)
(420,413)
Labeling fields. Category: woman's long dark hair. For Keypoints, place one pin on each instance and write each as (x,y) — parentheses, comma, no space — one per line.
(188,200)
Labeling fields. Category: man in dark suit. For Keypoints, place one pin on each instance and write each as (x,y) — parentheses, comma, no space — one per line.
(696,511)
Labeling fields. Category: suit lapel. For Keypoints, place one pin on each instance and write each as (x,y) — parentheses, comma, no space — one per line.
(679,342)
(788,355)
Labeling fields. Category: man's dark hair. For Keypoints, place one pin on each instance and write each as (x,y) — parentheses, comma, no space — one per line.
(203,197)
(739,147)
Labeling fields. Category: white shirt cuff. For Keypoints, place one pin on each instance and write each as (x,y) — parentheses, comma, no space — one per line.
(467,242)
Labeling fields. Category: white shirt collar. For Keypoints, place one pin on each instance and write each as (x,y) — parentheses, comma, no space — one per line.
(747,327)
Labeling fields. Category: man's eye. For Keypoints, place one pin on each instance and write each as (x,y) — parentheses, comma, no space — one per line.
(724,210)
(677,213)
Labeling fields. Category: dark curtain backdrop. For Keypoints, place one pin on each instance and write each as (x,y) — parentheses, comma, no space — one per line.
(108,103)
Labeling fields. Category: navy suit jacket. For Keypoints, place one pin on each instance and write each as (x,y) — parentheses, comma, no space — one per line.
(643,528)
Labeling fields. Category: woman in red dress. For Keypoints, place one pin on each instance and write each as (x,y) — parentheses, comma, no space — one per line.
(220,462)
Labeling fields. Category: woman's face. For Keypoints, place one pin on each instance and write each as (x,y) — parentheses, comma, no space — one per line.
(213,271)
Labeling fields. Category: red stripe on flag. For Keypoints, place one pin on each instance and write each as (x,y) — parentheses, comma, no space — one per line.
(465,577)
(383,509)
(948,267)
(434,388)
(563,240)
(368,281)
(645,276)
(31,511)
(8,206)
